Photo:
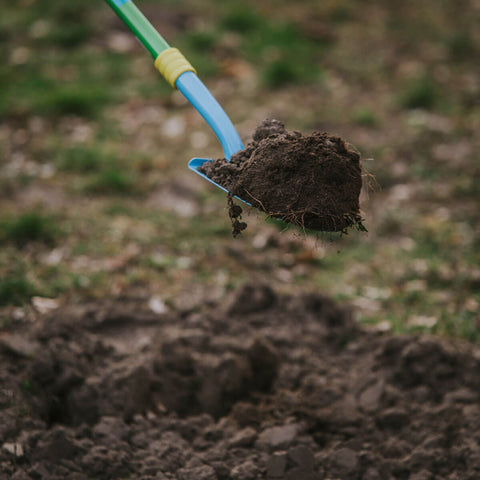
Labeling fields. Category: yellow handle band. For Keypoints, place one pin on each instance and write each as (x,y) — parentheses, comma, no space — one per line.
(171,64)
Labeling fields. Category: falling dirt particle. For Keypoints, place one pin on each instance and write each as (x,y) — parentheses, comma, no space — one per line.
(312,181)
(235,213)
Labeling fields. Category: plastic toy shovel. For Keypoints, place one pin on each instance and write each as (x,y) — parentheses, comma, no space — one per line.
(181,75)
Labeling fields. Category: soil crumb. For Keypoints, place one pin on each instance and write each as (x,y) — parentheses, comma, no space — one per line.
(235,213)
(275,386)
(312,181)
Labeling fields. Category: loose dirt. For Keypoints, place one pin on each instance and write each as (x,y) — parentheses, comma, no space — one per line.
(312,181)
(259,386)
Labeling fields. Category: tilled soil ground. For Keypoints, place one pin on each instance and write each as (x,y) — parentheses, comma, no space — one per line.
(260,386)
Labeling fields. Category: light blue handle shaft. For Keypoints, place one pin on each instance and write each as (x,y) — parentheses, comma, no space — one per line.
(188,83)
(199,96)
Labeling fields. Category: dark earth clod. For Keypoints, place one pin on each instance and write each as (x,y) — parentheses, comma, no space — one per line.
(235,213)
(312,181)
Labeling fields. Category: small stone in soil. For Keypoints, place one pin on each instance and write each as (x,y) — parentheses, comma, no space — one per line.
(370,398)
(298,473)
(245,471)
(204,472)
(393,418)
(345,459)
(280,435)
(276,465)
(302,456)
(243,438)
(371,474)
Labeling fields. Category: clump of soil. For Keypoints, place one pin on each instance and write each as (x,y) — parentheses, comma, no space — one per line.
(235,213)
(312,181)
(260,386)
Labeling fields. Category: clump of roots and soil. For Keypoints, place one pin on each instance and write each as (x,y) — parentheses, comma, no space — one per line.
(312,181)
(235,213)
(258,386)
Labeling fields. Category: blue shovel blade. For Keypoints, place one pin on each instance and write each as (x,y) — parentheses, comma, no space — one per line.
(198,95)
(193,165)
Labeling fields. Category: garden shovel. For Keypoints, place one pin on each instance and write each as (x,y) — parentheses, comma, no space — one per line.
(181,75)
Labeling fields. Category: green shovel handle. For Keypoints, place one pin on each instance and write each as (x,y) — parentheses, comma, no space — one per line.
(181,75)
(140,26)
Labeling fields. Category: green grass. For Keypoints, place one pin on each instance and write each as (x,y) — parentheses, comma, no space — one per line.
(63,10)
(85,159)
(365,117)
(57,77)
(101,169)
(394,223)
(40,95)
(59,15)
(204,63)
(58,64)
(464,325)
(119,208)
(29,227)
(461,45)
(112,181)
(86,100)
(15,289)
(342,13)
(280,73)
(69,35)
(198,46)
(421,92)
(82,83)
(202,41)
(282,53)
(241,20)
(467,186)
(26,386)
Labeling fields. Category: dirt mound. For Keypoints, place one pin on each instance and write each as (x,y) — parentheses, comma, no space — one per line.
(279,387)
(312,181)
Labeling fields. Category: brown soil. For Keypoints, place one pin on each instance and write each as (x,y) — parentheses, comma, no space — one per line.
(312,181)
(260,386)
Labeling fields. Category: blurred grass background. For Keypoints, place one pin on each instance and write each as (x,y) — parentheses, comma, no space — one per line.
(96,200)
